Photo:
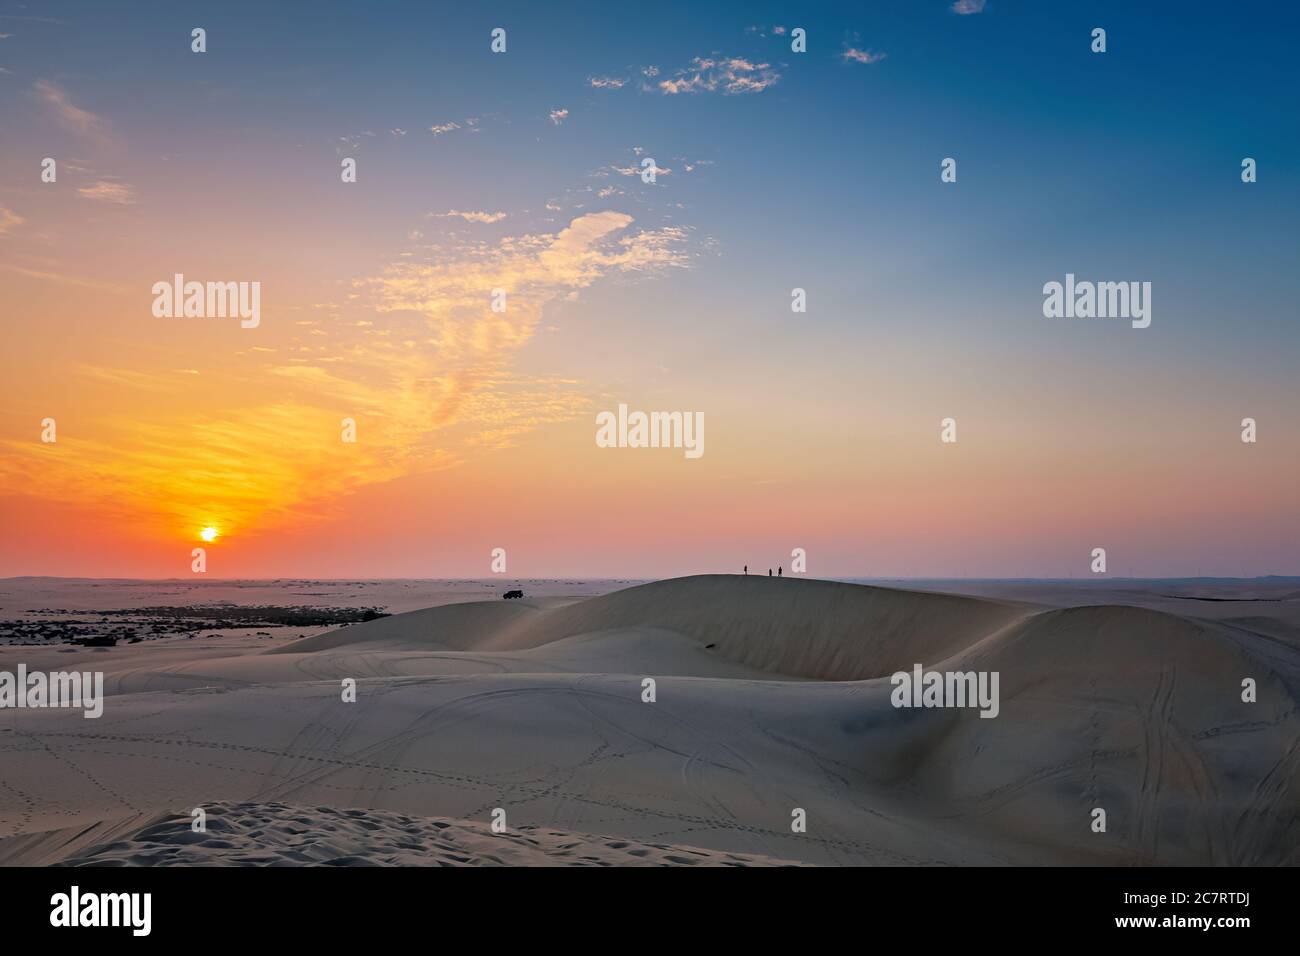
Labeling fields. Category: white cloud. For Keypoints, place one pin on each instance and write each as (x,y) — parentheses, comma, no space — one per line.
(968,6)
(559,116)
(727,75)
(636,170)
(443,128)
(484,217)
(606,82)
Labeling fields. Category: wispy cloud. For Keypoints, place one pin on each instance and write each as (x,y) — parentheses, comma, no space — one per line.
(47,276)
(559,116)
(854,55)
(105,190)
(437,390)
(727,75)
(9,220)
(636,170)
(606,82)
(452,292)
(69,115)
(353,141)
(968,6)
(471,125)
(484,217)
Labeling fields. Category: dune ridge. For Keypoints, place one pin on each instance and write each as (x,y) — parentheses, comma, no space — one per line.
(791,626)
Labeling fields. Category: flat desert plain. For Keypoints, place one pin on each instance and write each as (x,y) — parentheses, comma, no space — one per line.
(771,705)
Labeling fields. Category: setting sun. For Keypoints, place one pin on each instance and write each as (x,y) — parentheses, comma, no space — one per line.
(208,534)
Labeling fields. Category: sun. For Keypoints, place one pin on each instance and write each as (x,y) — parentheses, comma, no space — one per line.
(209,534)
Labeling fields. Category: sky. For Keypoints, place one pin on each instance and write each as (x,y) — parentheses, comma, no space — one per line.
(521,170)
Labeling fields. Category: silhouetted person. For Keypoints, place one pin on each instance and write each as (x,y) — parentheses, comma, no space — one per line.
(769,572)
(747,569)
(778,570)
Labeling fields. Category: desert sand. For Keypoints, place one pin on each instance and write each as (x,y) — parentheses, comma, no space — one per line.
(275,834)
(772,696)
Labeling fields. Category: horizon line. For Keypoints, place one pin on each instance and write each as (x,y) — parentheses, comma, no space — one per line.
(589,578)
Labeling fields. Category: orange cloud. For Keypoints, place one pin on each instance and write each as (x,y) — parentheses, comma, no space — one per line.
(425,391)
(105,190)
(82,122)
(9,220)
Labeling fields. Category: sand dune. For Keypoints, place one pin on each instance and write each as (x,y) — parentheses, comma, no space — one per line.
(788,626)
(772,698)
(791,627)
(450,627)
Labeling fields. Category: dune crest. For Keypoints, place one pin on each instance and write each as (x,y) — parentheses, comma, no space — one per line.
(789,626)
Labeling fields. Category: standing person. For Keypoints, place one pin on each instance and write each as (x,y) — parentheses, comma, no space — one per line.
(747,570)
(769,572)
(778,570)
